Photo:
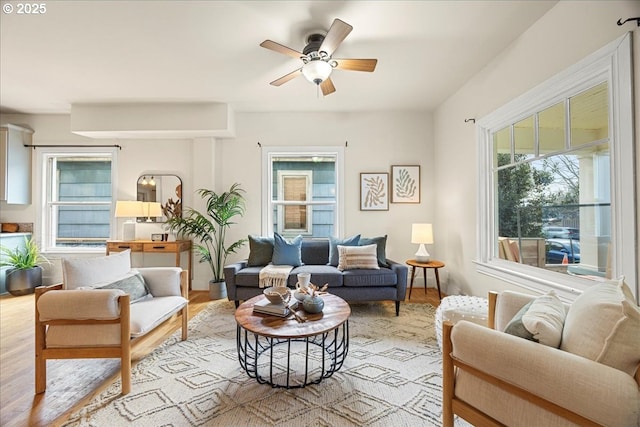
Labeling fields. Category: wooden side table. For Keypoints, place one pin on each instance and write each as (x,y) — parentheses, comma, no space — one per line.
(148,246)
(424,265)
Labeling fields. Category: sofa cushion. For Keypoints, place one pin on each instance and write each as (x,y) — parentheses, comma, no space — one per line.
(287,252)
(315,251)
(333,247)
(260,250)
(94,271)
(369,278)
(381,243)
(355,257)
(603,324)
(320,275)
(132,284)
(249,276)
(541,320)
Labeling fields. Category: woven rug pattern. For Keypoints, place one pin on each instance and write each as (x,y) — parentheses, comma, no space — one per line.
(391,377)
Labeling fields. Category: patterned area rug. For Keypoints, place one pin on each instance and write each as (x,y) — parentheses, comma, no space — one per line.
(391,377)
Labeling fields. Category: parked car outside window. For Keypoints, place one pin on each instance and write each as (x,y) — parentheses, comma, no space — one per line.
(556,250)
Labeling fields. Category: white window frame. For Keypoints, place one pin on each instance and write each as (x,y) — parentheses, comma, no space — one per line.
(44,219)
(269,153)
(308,175)
(612,63)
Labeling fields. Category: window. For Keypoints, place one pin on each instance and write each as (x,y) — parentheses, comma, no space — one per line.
(556,179)
(302,191)
(77,199)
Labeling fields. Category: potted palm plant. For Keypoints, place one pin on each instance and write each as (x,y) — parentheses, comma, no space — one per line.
(25,273)
(210,228)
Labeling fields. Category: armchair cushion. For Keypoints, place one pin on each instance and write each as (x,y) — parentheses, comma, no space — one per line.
(98,304)
(603,324)
(83,272)
(540,320)
(147,314)
(162,281)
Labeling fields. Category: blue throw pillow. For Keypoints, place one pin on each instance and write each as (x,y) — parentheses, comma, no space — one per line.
(287,252)
(333,247)
(260,251)
(381,243)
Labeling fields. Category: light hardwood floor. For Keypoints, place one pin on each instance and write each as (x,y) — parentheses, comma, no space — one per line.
(18,404)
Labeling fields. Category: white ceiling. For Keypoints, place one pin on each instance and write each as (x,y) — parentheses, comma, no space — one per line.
(208,51)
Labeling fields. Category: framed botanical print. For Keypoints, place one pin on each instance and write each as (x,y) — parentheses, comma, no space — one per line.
(374,191)
(405,184)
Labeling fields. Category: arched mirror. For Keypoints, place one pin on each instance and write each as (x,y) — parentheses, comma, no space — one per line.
(161,195)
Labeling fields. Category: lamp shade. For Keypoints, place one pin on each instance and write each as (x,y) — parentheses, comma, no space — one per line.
(129,209)
(316,71)
(422,233)
(152,209)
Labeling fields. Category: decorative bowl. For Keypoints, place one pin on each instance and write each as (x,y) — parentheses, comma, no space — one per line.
(313,304)
(276,294)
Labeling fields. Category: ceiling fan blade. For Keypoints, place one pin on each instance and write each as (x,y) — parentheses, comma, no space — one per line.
(327,87)
(356,64)
(287,77)
(277,47)
(338,31)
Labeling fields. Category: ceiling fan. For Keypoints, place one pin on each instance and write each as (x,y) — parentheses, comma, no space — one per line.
(316,57)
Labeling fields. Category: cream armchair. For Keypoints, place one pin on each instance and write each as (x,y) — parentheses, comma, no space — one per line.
(91,315)
(491,378)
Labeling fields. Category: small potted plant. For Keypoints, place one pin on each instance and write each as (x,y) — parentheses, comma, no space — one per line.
(25,273)
(210,228)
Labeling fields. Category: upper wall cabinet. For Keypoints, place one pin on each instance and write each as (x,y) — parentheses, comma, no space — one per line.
(15,165)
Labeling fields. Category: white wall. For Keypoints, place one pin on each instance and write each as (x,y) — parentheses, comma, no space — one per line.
(567,33)
(375,142)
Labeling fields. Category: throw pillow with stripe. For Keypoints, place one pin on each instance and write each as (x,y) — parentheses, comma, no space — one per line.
(354,257)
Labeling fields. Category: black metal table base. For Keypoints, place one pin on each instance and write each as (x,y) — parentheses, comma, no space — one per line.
(333,346)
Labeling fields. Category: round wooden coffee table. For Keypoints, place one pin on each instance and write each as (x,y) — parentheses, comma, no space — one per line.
(284,353)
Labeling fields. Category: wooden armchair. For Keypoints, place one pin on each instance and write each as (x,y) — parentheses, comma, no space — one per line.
(91,316)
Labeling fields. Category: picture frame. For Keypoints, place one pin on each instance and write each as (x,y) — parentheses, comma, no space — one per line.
(405,184)
(374,191)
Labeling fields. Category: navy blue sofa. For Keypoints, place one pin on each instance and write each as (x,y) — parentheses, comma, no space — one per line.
(386,284)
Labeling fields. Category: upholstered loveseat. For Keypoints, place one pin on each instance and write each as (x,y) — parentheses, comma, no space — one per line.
(101,308)
(496,378)
(385,280)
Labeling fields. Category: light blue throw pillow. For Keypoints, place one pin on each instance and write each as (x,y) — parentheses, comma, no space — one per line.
(333,247)
(287,252)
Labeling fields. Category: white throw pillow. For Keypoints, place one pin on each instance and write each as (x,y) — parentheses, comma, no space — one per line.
(353,257)
(541,320)
(603,324)
(92,271)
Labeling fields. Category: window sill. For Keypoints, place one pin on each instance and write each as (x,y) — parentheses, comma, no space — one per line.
(535,279)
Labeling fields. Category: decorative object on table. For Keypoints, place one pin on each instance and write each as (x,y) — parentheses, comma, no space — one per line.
(130,209)
(277,294)
(303,280)
(313,302)
(25,273)
(210,229)
(374,191)
(301,291)
(405,182)
(274,309)
(157,237)
(422,234)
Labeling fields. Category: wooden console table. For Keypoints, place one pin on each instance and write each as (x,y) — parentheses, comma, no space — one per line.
(148,246)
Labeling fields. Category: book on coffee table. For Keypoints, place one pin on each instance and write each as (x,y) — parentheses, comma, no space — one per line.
(266,307)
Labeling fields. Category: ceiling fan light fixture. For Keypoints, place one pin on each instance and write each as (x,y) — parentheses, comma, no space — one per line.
(316,71)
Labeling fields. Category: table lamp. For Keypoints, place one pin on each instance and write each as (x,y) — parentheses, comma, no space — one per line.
(152,209)
(422,234)
(129,209)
